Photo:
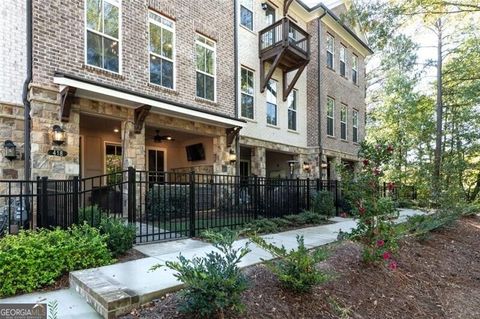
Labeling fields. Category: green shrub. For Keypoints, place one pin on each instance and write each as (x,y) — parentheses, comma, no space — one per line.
(422,225)
(33,259)
(281,222)
(120,235)
(213,284)
(323,203)
(262,226)
(167,203)
(470,210)
(295,269)
(404,203)
(308,217)
(295,220)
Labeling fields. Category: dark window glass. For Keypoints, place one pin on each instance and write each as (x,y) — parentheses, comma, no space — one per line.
(246,17)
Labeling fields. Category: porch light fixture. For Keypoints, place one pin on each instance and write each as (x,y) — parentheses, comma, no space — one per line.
(264,6)
(292,164)
(306,167)
(232,156)
(58,135)
(10,150)
(116,130)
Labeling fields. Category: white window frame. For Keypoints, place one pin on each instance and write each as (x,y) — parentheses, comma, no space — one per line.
(214,75)
(246,93)
(276,105)
(329,36)
(173,60)
(331,116)
(117,3)
(105,144)
(355,67)
(342,59)
(294,96)
(355,125)
(344,110)
(249,9)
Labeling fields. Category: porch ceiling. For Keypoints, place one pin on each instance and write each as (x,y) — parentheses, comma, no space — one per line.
(106,93)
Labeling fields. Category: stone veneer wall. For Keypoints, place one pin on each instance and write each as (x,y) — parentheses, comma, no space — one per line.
(11,128)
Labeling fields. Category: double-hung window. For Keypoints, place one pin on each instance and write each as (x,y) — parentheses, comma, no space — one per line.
(330,51)
(102,44)
(330,116)
(247,93)
(206,64)
(343,122)
(354,68)
(162,50)
(292,110)
(272,102)
(355,126)
(343,53)
(246,14)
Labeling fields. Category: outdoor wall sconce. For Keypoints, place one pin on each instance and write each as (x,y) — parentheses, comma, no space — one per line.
(10,150)
(264,6)
(306,167)
(232,156)
(58,135)
(292,164)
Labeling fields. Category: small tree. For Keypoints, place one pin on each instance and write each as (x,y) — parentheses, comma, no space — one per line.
(375,214)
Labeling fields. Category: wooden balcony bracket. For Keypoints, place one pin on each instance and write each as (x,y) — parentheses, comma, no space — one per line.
(140,115)
(67,94)
(232,134)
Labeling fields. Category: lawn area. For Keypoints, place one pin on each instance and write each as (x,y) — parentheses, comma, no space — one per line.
(438,277)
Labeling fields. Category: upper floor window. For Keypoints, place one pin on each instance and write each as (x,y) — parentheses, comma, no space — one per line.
(247,91)
(162,47)
(292,110)
(103,34)
(246,14)
(272,102)
(270,14)
(355,126)
(343,122)
(330,50)
(354,68)
(342,60)
(330,116)
(205,58)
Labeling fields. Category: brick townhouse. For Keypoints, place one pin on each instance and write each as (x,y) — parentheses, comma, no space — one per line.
(179,86)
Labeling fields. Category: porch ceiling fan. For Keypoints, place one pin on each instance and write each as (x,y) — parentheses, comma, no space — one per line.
(160,138)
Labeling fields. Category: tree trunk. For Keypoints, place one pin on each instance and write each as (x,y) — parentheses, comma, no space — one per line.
(439,107)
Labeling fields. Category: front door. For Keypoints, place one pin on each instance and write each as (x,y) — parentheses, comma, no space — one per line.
(156,165)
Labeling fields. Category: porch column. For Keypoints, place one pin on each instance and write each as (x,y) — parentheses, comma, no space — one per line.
(258,165)
(45,113)
(334,173)
(133,144)
(312,161)
(221,164)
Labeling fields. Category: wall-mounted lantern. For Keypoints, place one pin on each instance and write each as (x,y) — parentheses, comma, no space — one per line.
(292,165)
(10,150)
(58,135)
(306,167)
(264,6)
(232,156)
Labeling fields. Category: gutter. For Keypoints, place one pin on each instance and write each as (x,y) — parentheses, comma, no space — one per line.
(236,96)
(319,82)
(26,102)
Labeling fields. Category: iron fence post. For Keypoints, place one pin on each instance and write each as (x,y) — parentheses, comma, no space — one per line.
(131,196)
(308,193)
(317,186)
(75,191)
(255,196)
(298,194)
(44,202)
(192,204)
(336,197)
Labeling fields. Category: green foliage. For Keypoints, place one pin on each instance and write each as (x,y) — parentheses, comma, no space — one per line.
(274,225)
(120,235)
(422,226)
(167,204)
(312,218)
(296,269)
(323,203)
(213,284)
(34,259)
(261,226)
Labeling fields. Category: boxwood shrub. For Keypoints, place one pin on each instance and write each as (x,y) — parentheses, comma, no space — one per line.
(34,259)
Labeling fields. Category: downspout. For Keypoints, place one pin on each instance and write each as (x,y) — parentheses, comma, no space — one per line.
(237,114)
(319,96)
(26,102)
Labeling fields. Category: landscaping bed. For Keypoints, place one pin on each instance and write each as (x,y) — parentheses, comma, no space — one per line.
(436,278)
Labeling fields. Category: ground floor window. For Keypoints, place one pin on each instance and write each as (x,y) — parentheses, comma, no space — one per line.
(113,162)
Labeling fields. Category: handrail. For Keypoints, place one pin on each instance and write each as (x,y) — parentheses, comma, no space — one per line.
(284,32)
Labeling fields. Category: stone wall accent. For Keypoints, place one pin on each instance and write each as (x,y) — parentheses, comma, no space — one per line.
(45,113)
(222,163)
(133,144)
(12,128)
(59,35)
(258,162)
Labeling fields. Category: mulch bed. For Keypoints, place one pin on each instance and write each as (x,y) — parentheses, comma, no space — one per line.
(437,278)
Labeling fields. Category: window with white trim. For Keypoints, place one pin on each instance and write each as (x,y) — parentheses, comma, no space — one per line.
(330,51)
(272,102)
(292,110)
(246,14)
(354,68)
(355,126)
(247,93)
(206,64)
(330,116)
(343,64)
(102,39)
(162,50)
(343,122)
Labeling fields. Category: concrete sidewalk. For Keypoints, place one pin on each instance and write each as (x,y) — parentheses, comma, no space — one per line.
(115,289)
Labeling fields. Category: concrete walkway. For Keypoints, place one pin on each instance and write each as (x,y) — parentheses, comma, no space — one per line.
(115,289)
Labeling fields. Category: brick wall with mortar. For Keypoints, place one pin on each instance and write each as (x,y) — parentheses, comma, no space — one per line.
(59,34)
(342,89)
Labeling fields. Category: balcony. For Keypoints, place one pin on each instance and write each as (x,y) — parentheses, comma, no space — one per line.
(284,45)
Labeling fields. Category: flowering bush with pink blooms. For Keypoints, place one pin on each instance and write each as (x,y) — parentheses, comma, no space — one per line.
(375,214)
